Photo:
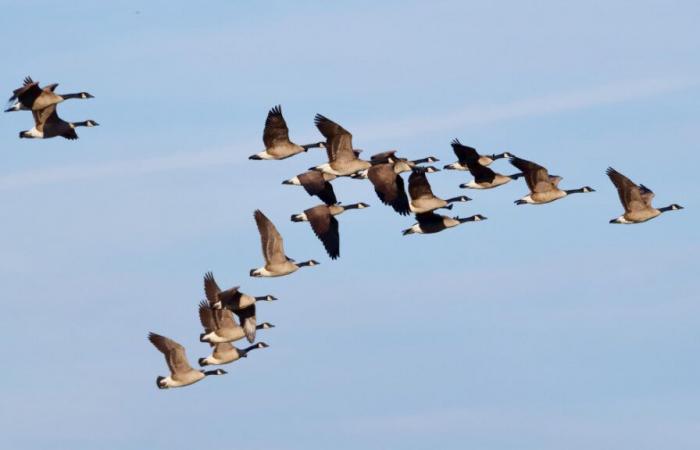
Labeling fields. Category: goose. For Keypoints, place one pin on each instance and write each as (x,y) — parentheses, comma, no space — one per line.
(430,222)
(636,200)
(422,198)
(465,153)
(181,373)
(277,264)
(47,125)
(220,326)
(316,183)
(276,138)
(543,187)
(30,97)
(342,160)
(401,165)
(325,225)
(389,186)
(484,177)
(243,305)
(225,353)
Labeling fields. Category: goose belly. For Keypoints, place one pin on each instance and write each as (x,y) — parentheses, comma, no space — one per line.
(426,205)
(640,216)
(546,197)
(284,151)
(180,380)
(279,270)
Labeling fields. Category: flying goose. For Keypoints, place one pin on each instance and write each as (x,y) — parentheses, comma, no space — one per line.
(277,263)
(225,353)
(422,198)
(220,326)
(30,97)
(465,153)
(433,223)
(401,165)
(181,373)
(389,185)
(543,187)
(316,183)
(484,177)
(243,305)
(47,124)
(325,225)
(636,200)
(342,160)
(276,138)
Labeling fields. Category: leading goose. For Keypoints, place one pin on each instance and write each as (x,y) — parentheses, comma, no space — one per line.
(422,198)
(325,225)
(316,183)
(430,222)
(181,373)
(484,177)
(243,305)
(47,125)
(276,138)
(636,200)
(342,160)
(464,153)
(543,187)
(30,97)
(277,263)
(225,353)
(220,326)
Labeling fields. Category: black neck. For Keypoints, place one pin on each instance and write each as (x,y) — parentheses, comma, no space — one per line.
(352,206)
(515,176)
(574,191)
(666,208)
(498,156)
(84,123)
(209,372)
(69,96)
(304,264)
(429,159)
(314,145)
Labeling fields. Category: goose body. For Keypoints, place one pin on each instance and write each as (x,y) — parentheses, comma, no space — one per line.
(225,353)
(430,222)
(543,187)
(465,153)
(181,373)
(484,177)
(276,138)
(47,124)
(636,199)
(342,160)
(316,183)
(277,263)
(220,326)
(422,198)
(325,225)
(30,97)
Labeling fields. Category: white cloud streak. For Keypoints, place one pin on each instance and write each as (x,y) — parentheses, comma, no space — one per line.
(472,115)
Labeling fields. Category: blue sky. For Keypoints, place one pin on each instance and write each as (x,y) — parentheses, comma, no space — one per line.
(541,328)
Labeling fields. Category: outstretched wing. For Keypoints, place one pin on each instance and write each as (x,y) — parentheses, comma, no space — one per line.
(175,355)
(482,174)
(248,321)
(276,131)
(463,152)
(338,139)
(26,94)
(325,228)
(536,176)
(418,186)
(314,184)
(271,240)
(630,194)
(389,187)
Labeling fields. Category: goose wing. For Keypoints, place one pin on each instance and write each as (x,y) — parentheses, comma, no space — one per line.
(482,174)
(271,240)
(224,318)
(429,218)
(418,186)
(325,228)
(314,184)
(536,176)
(276,131)
(248,321)
(631,195)
(44,116)
(206,317)
(647,195)
(463,152)
(389,187)
(175,355)
(214,293)
(338,139)
(384,156)
(26,94)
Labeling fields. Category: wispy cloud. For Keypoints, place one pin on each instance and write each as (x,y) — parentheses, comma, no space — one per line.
(472,115)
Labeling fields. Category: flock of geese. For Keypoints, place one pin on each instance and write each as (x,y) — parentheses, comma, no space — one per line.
(218,313)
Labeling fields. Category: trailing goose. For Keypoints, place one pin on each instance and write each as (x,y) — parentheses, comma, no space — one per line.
(181,373)
(543,187)
(342,160)
(485,178)
(434,223)
(30,97)
(465,153)
(316,183)
(243,305)
(422,198)
(220,326)
(47,125)
(277,263)
(276,138)
(225,353)
(636,200)
(325,225)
